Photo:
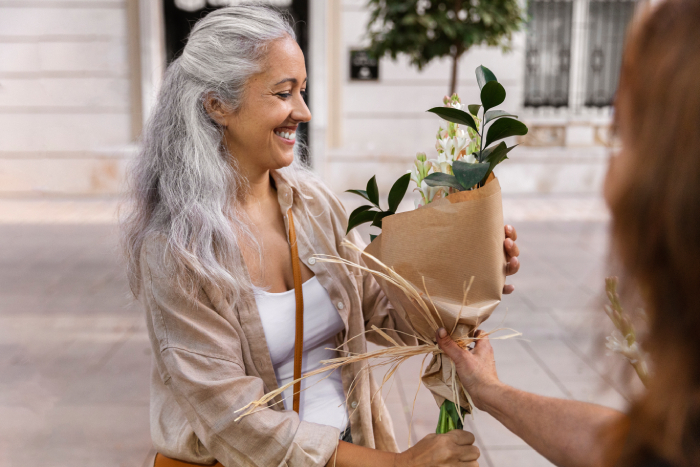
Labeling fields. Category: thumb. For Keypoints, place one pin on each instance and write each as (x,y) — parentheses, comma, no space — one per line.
(447,345)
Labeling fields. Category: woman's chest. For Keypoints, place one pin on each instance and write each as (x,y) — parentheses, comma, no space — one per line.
(322,321)
(269,262)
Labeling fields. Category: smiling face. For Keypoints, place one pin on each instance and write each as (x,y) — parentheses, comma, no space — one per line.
(261,133)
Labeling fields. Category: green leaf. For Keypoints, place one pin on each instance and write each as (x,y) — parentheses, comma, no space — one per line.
(484,75)
(503,128)
(474,109)
(497,154)
(359,218)
(492,94)
(494,114)
(439,179)
(362,193)
(372,237)
(366,207)
(379,216)
(468,174)
(455,116)
(484,155)
(373,191)
(398,191)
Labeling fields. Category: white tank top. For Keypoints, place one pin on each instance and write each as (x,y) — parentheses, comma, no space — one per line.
(322,400)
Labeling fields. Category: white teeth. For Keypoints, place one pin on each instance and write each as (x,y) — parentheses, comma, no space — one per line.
(287,135)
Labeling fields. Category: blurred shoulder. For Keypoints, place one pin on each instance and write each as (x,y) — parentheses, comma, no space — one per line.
(155,257)
(316,191)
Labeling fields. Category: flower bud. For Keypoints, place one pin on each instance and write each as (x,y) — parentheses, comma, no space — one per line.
(421,156)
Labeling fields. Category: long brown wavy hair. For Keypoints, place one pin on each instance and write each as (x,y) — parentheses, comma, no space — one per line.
(653,189)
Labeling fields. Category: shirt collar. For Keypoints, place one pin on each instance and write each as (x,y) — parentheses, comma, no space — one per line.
(286,189)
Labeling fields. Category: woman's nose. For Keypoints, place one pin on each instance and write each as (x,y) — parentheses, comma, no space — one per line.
(301,112)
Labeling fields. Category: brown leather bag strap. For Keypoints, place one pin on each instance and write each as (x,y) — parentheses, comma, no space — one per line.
(299,295)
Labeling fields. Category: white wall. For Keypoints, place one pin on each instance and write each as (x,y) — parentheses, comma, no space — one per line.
(66,116)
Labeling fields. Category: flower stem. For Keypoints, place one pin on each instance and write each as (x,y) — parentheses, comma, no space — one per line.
(449,419)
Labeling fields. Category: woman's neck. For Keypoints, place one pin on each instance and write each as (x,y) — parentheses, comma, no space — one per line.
(260,187)
(261,195)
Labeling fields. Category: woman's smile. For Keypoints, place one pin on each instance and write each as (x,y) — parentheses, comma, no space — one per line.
(287,134)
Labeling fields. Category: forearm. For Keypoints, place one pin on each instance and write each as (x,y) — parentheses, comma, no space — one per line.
(350,455)
(568,433)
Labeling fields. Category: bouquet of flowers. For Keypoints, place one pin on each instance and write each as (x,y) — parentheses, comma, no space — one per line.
(460,224)
(456,277)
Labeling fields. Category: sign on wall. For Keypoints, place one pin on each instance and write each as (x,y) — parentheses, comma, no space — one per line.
(363,67)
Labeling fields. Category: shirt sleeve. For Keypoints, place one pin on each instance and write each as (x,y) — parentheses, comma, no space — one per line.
(200,359)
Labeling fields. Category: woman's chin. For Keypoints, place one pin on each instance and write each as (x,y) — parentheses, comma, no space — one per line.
(281,161)
(286,160)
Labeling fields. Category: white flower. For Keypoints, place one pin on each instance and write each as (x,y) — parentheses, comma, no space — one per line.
(443,163)
(460,143)
(415,175)
(618,344)
(470,158)
(446,145)
(428,192)
(456,105)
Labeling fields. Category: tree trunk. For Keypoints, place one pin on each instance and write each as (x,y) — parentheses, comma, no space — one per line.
(455,66)
(453,79)
(458,53)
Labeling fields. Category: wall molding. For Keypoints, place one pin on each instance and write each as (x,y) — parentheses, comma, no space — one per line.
(27,4)
(49,74)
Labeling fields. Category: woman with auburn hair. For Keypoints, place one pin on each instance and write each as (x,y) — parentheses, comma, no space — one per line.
(653,190)
(219,247)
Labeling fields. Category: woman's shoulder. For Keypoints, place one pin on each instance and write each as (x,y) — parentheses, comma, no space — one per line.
(313,189)
(154,253)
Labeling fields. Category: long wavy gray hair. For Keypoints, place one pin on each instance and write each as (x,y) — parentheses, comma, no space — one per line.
(184,184)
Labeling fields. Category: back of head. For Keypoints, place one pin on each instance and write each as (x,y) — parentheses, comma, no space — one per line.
(184,183)
(656,220)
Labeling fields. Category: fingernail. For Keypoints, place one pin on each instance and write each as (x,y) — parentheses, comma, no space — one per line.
(442,333)
(509,228)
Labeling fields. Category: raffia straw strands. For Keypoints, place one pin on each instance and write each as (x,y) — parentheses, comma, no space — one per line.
(390,275)
(464,302)
(394,355)
(431,302)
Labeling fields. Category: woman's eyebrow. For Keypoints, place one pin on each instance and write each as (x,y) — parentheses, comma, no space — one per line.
(287,80)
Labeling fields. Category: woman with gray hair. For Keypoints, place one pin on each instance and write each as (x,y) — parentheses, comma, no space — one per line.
(216,193)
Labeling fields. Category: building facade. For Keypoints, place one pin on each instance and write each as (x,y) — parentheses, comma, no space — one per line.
(79,77)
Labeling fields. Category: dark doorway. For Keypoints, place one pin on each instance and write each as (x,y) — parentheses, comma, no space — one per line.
(178,24)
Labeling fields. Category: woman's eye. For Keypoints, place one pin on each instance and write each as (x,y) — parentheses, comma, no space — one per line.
(284,95)
(303,94)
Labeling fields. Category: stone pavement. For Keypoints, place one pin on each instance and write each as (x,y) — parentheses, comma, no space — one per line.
(75,357)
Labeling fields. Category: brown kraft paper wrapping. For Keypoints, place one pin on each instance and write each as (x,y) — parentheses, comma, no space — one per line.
(444,244)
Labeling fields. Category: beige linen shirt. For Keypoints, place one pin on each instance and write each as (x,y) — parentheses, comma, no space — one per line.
(211,356)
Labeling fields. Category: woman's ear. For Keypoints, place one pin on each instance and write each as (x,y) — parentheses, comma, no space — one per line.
(215,109)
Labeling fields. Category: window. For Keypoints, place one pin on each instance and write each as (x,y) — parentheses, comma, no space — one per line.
(574,51)
(607,23)
(548,52)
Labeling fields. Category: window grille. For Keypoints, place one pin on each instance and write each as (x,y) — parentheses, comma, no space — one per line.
(548,53)
(607,23)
